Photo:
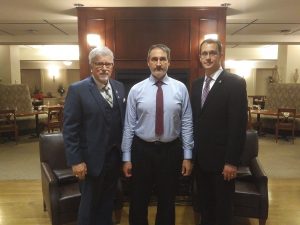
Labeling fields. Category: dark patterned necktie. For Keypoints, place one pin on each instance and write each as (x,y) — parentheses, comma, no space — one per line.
(205,90)
(107,95)
(159,117)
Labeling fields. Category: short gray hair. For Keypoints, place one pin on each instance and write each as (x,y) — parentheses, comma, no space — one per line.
(100,51)
(163,47)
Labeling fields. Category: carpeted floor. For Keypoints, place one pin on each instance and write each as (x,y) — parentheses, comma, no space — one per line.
(281,159)
(21,161)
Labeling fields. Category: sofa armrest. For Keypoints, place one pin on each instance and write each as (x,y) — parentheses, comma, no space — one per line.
(65,176)
(259,176)
(47,173)
(261,181)
(256,169)
(49,188)
(250,150)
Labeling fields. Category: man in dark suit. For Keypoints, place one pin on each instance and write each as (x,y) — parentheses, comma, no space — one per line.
(93,120)
(219,104)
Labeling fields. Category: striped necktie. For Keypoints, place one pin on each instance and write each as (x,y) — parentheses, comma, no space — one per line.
(107,95)
(205,90)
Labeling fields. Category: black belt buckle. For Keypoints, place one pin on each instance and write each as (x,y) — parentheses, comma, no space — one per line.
(157,142)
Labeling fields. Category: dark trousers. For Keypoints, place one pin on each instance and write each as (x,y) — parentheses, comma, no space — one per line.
(98,193)
(154,166)
(215,198)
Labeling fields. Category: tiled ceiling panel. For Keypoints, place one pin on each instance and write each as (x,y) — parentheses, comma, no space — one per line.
(37,28)
(262,29)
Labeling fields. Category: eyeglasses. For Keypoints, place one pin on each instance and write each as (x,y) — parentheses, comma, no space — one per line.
(102,64)
(161,60)
(208,54)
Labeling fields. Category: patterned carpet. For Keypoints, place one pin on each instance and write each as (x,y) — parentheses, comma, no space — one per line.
(21,161)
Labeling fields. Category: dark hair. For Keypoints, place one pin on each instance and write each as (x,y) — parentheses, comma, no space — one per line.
(212,41)
(163,47)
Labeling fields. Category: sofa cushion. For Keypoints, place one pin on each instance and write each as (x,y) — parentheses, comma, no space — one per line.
(15,96)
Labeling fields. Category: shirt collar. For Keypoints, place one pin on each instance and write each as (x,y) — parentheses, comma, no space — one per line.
(165,80)
(100,85)
(216,74)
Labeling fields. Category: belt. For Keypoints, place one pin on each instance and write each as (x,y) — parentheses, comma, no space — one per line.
(159,142)
(156,143)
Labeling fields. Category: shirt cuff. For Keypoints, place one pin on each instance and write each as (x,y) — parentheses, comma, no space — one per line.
(187,154)
(126,157)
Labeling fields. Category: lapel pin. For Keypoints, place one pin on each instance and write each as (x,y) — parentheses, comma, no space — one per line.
(117,94)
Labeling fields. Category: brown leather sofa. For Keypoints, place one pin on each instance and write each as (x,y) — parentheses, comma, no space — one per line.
(60,188)
(251,185)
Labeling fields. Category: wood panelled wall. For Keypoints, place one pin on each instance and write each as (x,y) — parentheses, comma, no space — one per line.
(129,32)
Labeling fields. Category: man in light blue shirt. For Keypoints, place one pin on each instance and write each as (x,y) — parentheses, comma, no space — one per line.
(153,158)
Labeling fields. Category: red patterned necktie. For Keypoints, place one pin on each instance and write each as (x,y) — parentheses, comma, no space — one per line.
(205,90)
(159,117)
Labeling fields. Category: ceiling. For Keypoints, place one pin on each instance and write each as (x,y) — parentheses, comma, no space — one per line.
(249,22)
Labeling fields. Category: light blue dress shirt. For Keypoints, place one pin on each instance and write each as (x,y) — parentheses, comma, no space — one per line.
(140,115)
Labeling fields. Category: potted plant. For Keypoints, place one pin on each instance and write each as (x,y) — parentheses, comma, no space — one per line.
(61,90)
(37,94)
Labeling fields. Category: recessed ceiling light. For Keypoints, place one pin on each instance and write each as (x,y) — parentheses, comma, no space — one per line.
(32,31)
(78,5)
(285,31)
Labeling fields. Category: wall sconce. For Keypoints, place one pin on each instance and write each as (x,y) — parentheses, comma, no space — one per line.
(211,36)
(53,72)
(243,68)
(67,63)
(94,40)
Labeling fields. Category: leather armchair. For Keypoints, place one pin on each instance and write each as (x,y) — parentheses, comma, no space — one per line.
(251,194)
(61,195)
(251,185)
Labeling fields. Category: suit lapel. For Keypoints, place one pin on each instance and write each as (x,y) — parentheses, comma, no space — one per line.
(118,96)
(200,93)
(116,92)
(215,88)
(96,95)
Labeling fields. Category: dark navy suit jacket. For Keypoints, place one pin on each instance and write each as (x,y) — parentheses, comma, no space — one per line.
(85,123)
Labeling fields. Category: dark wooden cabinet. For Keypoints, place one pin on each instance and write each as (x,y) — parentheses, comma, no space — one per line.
(129,32)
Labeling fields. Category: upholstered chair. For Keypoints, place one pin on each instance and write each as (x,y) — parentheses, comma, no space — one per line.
(61,195)
(251,185)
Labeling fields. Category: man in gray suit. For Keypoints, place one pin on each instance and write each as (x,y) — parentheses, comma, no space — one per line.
(219,104)
(93,120)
